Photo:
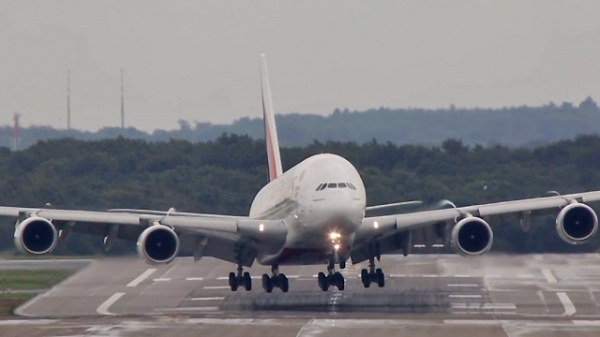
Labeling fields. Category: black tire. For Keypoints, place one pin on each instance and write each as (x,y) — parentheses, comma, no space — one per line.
(284,283)
(323,281)
(365,278)
(247,280)
(343,264)
(233,282)
(266,283)
(380,278)
(338,279)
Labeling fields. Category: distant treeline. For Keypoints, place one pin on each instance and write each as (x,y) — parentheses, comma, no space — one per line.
(515,126)
(222,176)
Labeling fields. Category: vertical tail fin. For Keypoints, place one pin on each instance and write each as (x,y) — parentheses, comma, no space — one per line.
(275,169)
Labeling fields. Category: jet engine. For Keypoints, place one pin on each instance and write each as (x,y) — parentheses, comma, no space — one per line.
(158,244)
(36,236)
(472,236)
(576,223)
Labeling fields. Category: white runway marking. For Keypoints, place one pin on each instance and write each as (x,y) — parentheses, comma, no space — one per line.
(162,279)
(207,299)
(103,308)
(549,276)
(464,296)
(463,285)
(189,309)
(566,302)
(216,287)
(194,279)
(141,278)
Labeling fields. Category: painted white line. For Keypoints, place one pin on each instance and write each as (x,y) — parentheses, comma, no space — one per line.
(103,308)
(463,285)
(194,279)
(27,321)
(162,279)
(549,276)
(216,287)
(566,302)
(464,296)
(207,299)
(189,309)
(141,278)
(499,306)
(398,275)
(222,278)
(586,323)
(472,322)
(462,276)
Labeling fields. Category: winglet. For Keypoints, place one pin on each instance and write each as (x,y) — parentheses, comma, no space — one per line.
(275,169)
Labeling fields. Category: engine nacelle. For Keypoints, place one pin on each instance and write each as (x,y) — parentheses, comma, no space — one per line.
(576,223)
(472,236)
(158,244)
(36,236)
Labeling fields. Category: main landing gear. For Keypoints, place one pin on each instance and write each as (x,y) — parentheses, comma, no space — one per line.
(332,278)
(277,280)
(240,280)
(372,275)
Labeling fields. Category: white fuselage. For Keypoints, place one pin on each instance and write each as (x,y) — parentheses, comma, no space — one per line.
(321,223)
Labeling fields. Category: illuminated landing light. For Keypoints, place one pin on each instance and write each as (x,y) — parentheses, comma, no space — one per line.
(336,246)
(334,235)
(375,224)
(261,227)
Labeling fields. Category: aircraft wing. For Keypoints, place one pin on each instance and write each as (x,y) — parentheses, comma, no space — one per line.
(202,234)
(392,231)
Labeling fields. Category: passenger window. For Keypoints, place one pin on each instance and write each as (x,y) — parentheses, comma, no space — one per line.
(342,185)
(332,185)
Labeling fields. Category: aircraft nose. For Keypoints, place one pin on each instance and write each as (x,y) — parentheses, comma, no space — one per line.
(338,212)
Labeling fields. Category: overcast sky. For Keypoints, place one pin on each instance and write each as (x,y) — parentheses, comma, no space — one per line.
(198,60)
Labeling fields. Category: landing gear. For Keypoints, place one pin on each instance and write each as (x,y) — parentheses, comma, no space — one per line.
(372,275)
(277,280)
(332,278)
(241,279)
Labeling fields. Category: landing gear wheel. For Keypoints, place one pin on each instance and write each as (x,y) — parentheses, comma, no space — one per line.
(365,278)
(283,283)
(338,281)
(343,264)
(233,282)
(380,277)
(247,281)
(323,282)
(266,283)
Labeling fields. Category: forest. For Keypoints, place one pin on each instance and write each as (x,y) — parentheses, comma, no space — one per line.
(222,176)
(522,126)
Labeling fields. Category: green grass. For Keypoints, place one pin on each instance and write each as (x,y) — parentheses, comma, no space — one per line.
(19,280)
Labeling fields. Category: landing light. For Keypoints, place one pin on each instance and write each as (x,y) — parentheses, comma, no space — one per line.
(261,227)
(376,224)
(334,235)
(336,246)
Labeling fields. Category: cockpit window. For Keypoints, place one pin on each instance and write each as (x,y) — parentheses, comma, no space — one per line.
(318,187)
(351,186)
(332,185)
(342,185)
(323,186)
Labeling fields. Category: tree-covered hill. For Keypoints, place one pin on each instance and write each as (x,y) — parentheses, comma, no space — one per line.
(516,126)
(222,176)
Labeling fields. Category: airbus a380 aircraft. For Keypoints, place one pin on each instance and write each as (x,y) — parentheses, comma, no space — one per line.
(313,213)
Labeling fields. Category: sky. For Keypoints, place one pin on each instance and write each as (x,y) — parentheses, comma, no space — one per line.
(199,60)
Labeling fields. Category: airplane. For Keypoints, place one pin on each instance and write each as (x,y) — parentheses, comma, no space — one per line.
(314,213)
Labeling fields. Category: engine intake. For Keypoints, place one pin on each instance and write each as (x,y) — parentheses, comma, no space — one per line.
(576,223)
(158,244)
(36,236)
(472,236)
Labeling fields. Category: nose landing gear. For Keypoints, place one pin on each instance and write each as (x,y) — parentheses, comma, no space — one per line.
(332,278)
(277,280)
(240,280)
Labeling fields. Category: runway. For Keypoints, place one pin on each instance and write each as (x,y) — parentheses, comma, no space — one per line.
(532,295)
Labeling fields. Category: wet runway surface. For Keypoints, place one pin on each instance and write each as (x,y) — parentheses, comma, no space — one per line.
(531,295)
